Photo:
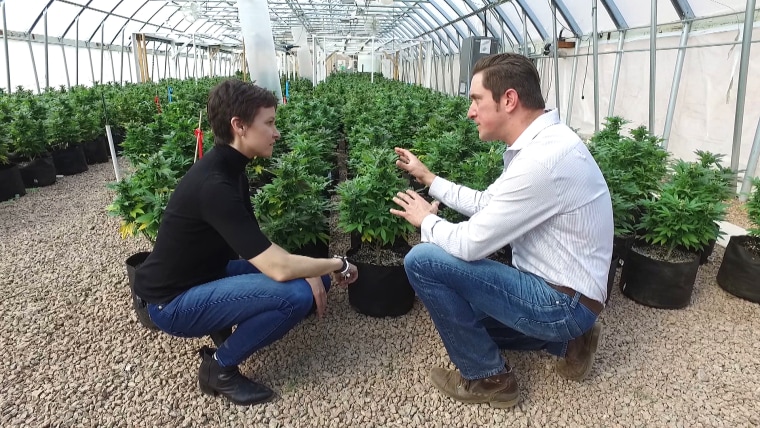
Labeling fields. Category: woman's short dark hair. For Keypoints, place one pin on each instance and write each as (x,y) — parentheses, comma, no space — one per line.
(510,70)
(232,98)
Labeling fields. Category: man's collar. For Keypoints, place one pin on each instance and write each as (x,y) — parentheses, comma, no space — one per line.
(549,118)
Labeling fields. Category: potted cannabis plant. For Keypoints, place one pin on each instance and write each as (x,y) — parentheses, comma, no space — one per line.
(378,238)
(26,130)
(11,184)
(293,210)
(677,224)
(721,185)
(740,269)
(63,133)
(140,202)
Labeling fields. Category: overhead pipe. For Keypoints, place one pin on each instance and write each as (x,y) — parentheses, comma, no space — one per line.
(676,84)
(749,17)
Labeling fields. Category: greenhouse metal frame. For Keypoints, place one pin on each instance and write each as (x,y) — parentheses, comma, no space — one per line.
(694,56)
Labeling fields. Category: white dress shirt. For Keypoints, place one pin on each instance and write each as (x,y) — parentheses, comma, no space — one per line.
(550,203)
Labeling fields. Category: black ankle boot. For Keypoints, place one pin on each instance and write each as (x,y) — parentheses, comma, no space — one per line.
(227,381)
(221,336)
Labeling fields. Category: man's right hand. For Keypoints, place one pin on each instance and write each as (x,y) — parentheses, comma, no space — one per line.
(409,163)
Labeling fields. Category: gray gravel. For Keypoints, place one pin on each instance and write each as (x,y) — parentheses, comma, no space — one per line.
(76,356)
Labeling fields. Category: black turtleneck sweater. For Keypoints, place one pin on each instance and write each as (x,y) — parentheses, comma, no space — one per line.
(208,221)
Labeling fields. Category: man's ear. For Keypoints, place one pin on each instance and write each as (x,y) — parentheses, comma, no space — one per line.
(509,99)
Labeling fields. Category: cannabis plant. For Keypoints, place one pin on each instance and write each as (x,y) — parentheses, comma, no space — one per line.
(293,209)
(753,208)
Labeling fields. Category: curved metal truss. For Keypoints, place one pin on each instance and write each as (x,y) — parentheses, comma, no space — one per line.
(344,25)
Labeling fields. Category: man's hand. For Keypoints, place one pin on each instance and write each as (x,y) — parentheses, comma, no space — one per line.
(351,276)
(409,163)
(320,295)
(415,207)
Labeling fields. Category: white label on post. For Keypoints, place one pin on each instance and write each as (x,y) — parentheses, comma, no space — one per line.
(485,46)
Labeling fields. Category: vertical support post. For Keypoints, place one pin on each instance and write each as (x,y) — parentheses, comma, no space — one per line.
(429,65)
(195,60)
(76,53)
(652,64)
(34,63)
(47,58)
(314,60)
(7,57)
(616,74)
(89,55)
(573,75)
(102,52)
(556,57)
(749,173)
(66,67)
(525,32)
(372,76)
(676,83)
(741,90)
(121,68)
(113,69)
(595,10)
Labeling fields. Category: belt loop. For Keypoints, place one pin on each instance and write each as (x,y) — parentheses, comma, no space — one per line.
(576,298)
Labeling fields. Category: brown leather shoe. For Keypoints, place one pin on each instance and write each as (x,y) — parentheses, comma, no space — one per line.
(498,391)
(580,355)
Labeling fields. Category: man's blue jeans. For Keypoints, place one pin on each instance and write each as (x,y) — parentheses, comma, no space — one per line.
(481,306)
(263,309)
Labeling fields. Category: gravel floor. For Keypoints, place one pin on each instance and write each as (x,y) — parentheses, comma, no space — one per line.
(737,214)
(75,355)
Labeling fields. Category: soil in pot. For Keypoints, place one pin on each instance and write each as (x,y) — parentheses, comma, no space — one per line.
(70,161)
(382,289)
(739,272)
(39,172)
(138,304)
(652,277)
(11,184)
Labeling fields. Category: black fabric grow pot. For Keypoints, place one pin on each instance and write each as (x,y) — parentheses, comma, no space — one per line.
(621,245)
(96,151)
(138,304)
(656,283)
(739,273)
(320,250)
(706,252)
(11,184)
(70,161)
(611,276)
(381,291)
(39,172)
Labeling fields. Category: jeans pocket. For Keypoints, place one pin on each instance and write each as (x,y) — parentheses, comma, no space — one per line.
(552,331)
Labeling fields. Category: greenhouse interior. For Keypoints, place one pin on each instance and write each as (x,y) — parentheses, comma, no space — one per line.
(107,106)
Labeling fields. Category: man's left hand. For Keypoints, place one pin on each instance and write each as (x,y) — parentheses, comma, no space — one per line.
(415,207)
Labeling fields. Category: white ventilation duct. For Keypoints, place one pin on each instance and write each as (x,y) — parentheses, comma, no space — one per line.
(303,57)
(256,30)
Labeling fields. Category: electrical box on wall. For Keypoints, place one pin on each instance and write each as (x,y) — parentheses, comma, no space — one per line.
(472,49)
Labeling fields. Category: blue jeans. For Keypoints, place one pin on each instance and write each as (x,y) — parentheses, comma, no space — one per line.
(263,309)
(481,306)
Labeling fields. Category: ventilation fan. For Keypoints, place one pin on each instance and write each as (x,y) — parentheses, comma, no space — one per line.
(190,11)
(372,25)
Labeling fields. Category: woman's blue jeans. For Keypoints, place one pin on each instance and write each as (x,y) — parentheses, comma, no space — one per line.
(481,306)
(263,310)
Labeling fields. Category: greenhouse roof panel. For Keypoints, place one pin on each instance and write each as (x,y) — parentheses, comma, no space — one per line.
(712,7)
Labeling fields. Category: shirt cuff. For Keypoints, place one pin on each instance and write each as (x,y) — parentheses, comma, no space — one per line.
(426,228)
(438,187)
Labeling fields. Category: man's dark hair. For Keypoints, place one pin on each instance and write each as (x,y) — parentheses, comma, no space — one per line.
(233,98)
(510,70)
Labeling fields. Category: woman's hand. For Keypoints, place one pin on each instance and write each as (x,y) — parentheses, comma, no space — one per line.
(320,295)
(348,278)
